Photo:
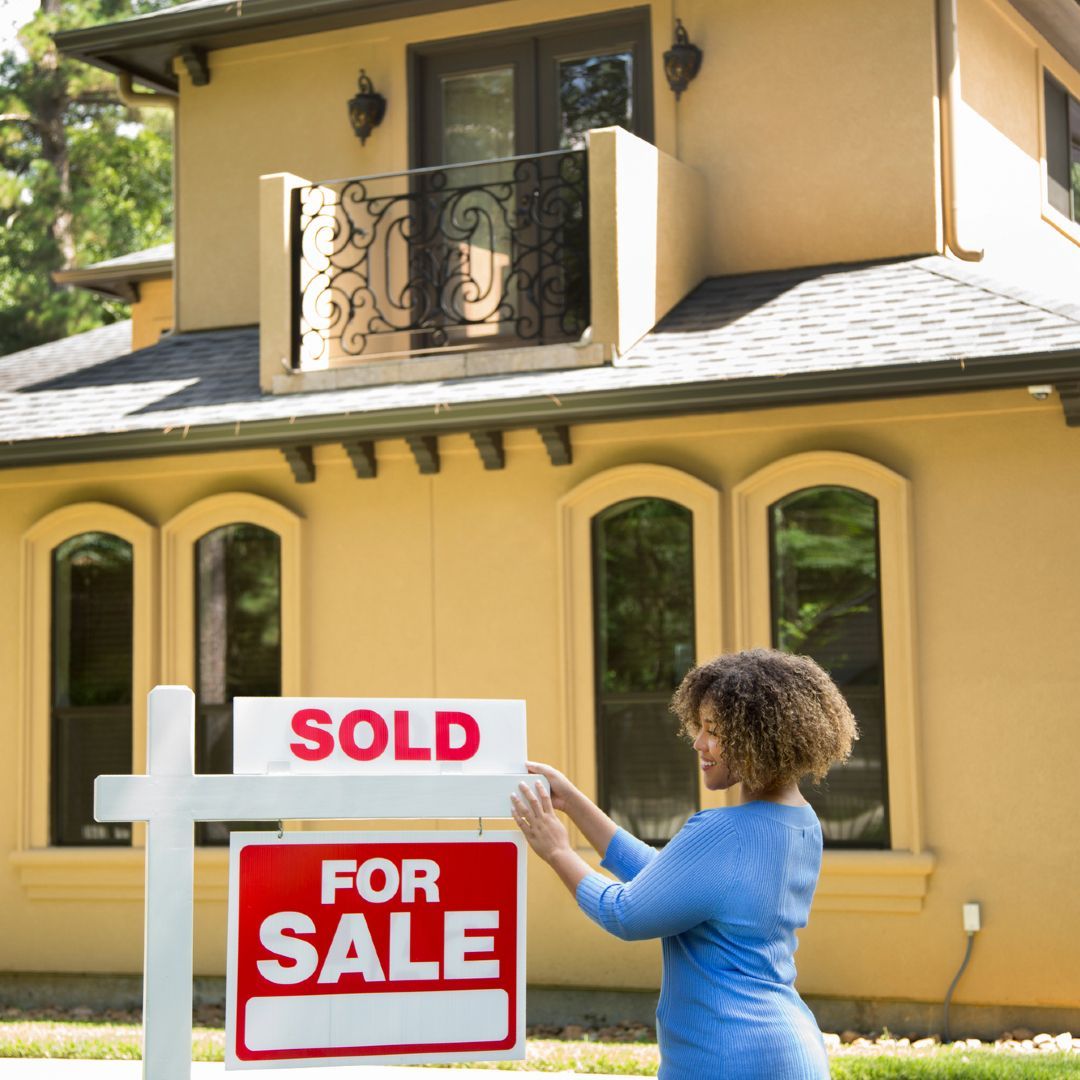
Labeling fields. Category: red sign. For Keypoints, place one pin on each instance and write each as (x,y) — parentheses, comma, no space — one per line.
(375,948)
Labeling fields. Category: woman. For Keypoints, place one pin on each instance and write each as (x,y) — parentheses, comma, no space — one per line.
(729,891)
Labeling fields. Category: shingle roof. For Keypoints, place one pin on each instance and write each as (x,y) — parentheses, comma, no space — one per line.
(160,253)
(901,323)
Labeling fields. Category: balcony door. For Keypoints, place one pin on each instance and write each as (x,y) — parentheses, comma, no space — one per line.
(538,89)
(505,243)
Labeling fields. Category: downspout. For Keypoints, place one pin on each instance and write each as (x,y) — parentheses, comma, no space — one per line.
(949,77)
(138,100)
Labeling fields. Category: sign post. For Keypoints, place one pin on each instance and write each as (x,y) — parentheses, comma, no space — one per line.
(171,797)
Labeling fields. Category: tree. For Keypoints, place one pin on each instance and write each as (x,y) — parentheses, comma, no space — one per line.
(83,177)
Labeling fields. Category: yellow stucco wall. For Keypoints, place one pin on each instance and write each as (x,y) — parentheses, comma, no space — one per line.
(152,313)
(813,123)
(1003,186)
(459,574)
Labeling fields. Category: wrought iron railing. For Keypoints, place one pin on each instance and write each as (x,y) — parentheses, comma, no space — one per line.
(457,257)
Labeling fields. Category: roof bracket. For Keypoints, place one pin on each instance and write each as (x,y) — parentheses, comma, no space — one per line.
(301,460)
(1069,392)
(425,449)
(557,441)
(490,445)
(195,60)
(362,455)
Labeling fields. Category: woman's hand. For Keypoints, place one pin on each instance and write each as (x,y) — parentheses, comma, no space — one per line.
(535,816)
(562,791)
(594,824)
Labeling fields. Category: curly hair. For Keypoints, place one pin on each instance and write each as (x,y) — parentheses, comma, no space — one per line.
(777,717)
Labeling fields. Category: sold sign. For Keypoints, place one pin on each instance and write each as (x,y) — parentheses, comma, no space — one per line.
(378,735)
(358,948)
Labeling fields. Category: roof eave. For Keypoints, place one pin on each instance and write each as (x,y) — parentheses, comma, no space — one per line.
(107,45)
(899,380)
(118,283)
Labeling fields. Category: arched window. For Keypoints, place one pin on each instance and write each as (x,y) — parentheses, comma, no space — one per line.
(826,603)
(231,625)
(238,638)
(91,682)
(643,580)
(823,565)
(640,603)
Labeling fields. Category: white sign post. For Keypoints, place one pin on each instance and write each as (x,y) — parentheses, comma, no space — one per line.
(171,798)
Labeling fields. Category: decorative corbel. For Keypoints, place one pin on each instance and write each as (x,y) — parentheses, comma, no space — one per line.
(301,460)
(196,61)
(1069,393)
(362,455)
(425,449)
(557,441)
(490,445)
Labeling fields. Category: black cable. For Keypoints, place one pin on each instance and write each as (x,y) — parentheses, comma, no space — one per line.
(948,996)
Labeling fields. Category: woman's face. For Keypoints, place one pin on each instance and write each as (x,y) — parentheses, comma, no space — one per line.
(718,777)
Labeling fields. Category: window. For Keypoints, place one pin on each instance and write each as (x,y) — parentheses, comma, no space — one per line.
(91,682)
(238,646)
(1062,148)
(494,97)
(231,626)
(826,603)
(823,551)
(89,584)
(643,576)
(639,552)
(817,530)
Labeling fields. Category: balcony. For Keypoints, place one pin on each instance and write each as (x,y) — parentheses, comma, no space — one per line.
(550,261)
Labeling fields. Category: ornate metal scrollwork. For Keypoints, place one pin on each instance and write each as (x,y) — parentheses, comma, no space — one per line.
(456,257)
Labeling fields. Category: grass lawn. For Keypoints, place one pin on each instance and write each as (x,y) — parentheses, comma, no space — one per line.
(73,1039)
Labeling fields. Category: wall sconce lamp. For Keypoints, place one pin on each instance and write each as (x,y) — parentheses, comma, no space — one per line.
(366,109)
(682,61)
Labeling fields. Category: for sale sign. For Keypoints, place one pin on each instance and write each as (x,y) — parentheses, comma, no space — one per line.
(364,948)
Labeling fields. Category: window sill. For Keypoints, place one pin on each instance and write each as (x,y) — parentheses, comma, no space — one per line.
(878,881)
(1064,225)
(894,882)
(108,873)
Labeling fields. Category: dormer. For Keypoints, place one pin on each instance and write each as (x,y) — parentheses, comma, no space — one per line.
(142,279)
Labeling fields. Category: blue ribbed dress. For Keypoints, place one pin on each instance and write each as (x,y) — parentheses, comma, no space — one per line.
(726,895)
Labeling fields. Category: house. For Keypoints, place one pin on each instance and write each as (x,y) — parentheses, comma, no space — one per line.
(572,379)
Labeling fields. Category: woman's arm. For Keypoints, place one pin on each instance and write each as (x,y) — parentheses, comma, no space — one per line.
(675,891)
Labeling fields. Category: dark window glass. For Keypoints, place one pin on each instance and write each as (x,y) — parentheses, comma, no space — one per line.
(1062,148)
(594,92)
(826,603)
(644,625)
(238,604)
(91,682)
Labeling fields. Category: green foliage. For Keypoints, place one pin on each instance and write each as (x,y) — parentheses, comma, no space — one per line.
(825,568)
(645,595)
(82,176)
(954,1065)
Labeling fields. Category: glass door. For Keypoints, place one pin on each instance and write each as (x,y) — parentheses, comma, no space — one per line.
(503,255)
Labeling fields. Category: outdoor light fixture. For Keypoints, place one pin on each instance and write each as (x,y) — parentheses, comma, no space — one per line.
(682,61)
(366,109)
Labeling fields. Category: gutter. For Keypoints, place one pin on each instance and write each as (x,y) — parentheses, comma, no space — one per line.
(787,391)
(129,96)
(949,78)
